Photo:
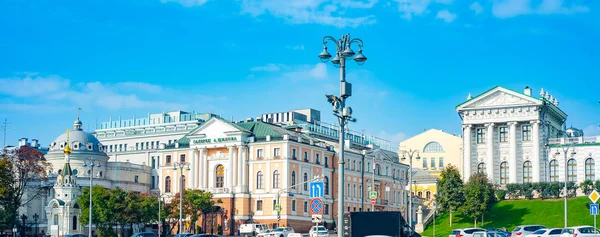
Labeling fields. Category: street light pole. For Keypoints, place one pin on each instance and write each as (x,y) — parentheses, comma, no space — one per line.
(565,152)
(343,51)
(181,166)
(91,163)
(410,153)
(35,219)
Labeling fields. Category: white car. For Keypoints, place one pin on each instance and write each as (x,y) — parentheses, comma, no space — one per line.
(488,234)
(264,234)
(281,232)
(580,231)
(247,230)
(318,231)
(538,233)
(466,232)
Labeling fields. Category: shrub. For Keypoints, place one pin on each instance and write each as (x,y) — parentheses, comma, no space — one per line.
(501,194)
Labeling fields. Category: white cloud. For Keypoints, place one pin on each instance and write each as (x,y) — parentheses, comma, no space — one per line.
(513,8)
(446,16)
(296,47)
(304,72)
(476,7)
(410,8)
(54,90)
(592,130)
(271,67)
(187,3)
(312,11)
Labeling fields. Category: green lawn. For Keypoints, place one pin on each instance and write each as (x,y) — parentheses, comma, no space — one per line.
(512,213)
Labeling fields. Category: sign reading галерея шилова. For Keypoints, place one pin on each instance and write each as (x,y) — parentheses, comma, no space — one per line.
(215,140)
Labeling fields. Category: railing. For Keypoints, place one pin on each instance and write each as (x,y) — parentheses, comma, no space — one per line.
(574,140)
(218,190)
(333,131)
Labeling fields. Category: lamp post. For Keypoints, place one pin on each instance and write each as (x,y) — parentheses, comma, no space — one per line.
(565,148)
(410,153)
(24,219)
(343,51)
(35,220)
(91,163)
(180,166)
(160,196)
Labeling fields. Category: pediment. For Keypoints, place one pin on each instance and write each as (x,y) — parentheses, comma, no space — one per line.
(499,98)
(216,128)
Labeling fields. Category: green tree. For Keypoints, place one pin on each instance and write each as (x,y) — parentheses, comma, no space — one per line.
(199,203)
(479,196)
(102,212)
(450,194)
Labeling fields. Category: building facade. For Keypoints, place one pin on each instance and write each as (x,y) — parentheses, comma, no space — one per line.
(437,149)
(505,134)
(577,155)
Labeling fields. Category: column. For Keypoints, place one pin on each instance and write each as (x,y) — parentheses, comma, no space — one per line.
(535,160)
(512,165)
(204,168)
(489,164)
(466,152)
(229,170)
(234,168)
(194,171)
(240,166)
(244,168)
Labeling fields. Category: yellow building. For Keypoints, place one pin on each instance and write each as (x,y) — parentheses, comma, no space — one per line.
(437,149)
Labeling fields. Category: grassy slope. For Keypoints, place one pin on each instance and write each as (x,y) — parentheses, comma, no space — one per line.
(519,212)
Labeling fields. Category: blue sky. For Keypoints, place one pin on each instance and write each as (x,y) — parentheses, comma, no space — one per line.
(242,58)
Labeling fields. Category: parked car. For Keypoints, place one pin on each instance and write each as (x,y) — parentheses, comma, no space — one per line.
(554,232)
(203,235)
(504,231)
(580,231)
(488,234)
(183,235)
(264,234)
(538,233)
(247,230)
(318,231)
(281,232)
(523,230)
(144,234)
(75,235)
(465,232)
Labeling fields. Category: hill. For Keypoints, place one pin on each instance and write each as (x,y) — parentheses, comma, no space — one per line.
(511,213)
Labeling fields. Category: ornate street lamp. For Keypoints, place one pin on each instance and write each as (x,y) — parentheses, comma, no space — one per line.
(180,166)
(410,153)
(91,163)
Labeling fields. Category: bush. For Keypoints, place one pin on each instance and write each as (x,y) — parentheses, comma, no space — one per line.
(543,189)
(501,194)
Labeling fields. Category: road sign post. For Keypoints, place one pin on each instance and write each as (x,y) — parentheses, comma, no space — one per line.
(594,208)
(317,190)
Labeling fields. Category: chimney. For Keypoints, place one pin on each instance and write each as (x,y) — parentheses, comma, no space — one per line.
(34,143)
(22,142)
(527,91)
(249,120)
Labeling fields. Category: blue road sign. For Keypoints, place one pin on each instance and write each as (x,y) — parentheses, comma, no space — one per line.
(594,209)
(316,205)
(317,190)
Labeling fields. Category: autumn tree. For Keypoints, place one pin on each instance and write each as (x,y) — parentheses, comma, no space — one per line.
(450,194)
(479,196)
(23,169)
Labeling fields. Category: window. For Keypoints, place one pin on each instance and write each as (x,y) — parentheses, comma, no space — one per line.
(504,173)
(317,161)
(293,205)
(153,163)
(348,191)
(441,161)
(168,184)
(120,147)
(432,162)
(480,135)
(137,145)
(590,173)
(527,172)
(368,167)
(354,191)
(259,180)
(326,161)
(326,209)
(276,179)
(259,153)
(305,182)
(305,156)
(259,205)
(428,195)
(168,159)
(74,222)
(572,170)
(420,194)
(424,163)
(276,152)
(326,184)
(503,134)
(359,166)
(182,158)
(153,184)
(305,206)
(293,179)
(353,165)
(554,171)
(220,176)
(481,168)
(294,153)
(136,178)
(433,147)
(526,132)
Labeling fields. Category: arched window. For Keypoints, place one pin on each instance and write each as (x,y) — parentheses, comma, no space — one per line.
(326,184)
(433,147)
(590,166)
(276,179)
(572,170)
(504,172)
(259,180)
(378,169)
(305,182)
(317,159)
(168,184)
(183,182)
(182,158)
(220,176)
(428,195)
(326,161)
(305,156)
(420,194)
(293,179)
(527,172)
(481,168)
(74,222)
(554,171)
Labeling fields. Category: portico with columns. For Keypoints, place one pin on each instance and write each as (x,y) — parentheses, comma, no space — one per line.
(505,133)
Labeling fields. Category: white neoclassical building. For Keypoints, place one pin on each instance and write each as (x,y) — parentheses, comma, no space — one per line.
(505,134)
